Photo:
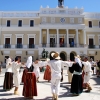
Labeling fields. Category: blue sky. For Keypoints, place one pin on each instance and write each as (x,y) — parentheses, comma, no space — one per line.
(29,5)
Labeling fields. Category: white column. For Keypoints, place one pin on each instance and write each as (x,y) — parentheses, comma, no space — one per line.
(40,38)
(84,37)
(67,34)
(57,37)
(77,40)
(47,38)
(0,37)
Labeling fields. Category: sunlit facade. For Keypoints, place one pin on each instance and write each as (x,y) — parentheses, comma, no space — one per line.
(65,30)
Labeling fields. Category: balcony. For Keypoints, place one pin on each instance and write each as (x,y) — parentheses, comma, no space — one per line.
(52,45)
(62,45)
(31,46)
(43,44)
(91,46)
(7,46)
(72,45)
(19,46)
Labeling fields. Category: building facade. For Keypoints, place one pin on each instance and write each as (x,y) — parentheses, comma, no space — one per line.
(62,29)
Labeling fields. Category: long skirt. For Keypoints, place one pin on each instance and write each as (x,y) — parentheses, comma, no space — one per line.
(8,81)
(24,75)
(30,87)
(47,74)
(77,84)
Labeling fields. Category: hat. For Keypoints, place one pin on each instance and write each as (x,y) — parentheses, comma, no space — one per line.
(78,56)
(55,55)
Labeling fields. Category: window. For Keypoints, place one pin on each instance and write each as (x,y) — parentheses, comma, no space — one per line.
(19,43)
(31,23)
(31,42)
(7,42)
(8,23)
(79,20)
(20,23)
(52,20)
(71,20)
(99,24)
(90,24)
(44,20)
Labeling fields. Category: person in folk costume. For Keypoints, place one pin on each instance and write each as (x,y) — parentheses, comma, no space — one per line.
(87,74)
(69,75)
(77,81)
(16,76)
(47,73)
(28,65)
(8,80)
(30,87)
(56,66)
(36,65)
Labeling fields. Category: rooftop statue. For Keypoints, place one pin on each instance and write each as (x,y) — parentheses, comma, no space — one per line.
(60,2)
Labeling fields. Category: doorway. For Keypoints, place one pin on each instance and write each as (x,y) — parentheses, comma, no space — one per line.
(71,42)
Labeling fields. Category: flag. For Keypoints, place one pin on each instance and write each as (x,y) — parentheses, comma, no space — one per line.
(62,41)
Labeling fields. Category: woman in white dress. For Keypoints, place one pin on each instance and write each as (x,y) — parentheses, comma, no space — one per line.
(8,81)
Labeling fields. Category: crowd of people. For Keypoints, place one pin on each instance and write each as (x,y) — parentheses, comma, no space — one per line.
(79,74)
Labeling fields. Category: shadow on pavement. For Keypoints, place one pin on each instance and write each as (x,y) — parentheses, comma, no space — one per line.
(6,94)
(22,98)
(97,80)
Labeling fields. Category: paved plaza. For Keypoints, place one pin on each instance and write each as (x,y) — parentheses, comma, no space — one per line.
(44,90)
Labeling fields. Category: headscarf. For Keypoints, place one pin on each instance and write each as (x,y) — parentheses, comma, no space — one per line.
(77,60)
(29,62)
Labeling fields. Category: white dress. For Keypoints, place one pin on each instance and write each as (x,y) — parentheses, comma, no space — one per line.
(9,68)
(36,69)
(16,77)
(88,71)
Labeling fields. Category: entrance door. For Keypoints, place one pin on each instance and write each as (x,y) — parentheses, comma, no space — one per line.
(72,57)
(61,41)
(71,42)
(52,42)
(63,57)
(6,57)
(92,57)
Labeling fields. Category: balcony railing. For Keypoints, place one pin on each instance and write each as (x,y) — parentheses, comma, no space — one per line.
(72,45)
(31,46)
(52,44)
(7,46)
(43,44)
(91,46)
(63,45)
(19,46)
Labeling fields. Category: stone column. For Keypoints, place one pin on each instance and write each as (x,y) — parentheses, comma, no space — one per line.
(68,57)
(67,34)
(57,37)
(84,37)
(47,38)
(77,39)
(40,38)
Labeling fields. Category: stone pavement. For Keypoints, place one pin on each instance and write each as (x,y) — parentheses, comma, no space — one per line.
(44,90)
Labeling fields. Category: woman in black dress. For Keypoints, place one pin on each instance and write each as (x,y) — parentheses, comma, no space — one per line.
(76,84)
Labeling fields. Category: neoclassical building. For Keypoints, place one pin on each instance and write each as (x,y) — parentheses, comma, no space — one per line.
(62,29)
